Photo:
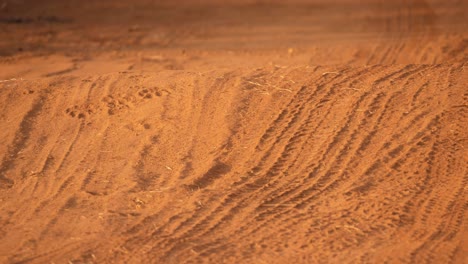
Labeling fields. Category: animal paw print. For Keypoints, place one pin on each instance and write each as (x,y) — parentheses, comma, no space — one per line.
(115,105)
(80,112)
(149,93)
(28,92)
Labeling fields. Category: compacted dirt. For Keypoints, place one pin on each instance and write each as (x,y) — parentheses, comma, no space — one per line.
(237,132)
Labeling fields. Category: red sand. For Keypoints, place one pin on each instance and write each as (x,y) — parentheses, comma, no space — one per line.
(243,132)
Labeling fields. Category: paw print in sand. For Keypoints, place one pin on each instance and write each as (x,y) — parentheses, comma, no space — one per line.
(149,93)
(118,103)
(80,112)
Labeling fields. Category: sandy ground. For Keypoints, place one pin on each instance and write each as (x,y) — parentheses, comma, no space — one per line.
(237,132)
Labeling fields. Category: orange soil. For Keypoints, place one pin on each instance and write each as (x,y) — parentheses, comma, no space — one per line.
(244,132)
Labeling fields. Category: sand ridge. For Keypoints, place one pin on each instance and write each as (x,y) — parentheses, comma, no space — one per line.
(200,132)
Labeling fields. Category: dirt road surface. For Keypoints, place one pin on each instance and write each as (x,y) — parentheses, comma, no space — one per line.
(253,131)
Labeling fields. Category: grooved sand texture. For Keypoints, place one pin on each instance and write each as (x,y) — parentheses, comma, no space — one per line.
(242,132)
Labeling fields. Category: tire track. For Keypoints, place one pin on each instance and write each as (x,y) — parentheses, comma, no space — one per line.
(22,136)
